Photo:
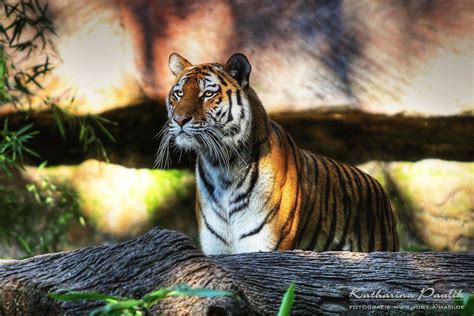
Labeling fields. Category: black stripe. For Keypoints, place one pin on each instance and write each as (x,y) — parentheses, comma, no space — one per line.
(346,204)
(379,213)
(230,117)
(210,190)
(369,214)
(253,181)
(255,172)
(222,81)
(309,207)
(239,102)
(239,208)
(383,214)
(291,216)
(245,176)
(298,200)
(267,220)
(332,229)
(225,184)
(219,111)
(355,174)
(239,98)
(239,198)
(277,130)
(212,230)
(205,180)
(314,240)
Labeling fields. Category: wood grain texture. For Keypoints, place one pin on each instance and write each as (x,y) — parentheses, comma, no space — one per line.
(162,258)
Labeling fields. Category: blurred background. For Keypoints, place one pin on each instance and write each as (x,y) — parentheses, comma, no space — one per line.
(385,85)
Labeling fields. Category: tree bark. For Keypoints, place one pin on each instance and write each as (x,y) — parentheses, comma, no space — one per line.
(372,136)
(329,282)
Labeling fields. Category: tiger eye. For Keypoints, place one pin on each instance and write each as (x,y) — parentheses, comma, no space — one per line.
(208,94)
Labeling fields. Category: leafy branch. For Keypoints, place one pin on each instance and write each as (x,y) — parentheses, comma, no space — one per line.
(88,127)
(13,145)
(116,305)
(24,28)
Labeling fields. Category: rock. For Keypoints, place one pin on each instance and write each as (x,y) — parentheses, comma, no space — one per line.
(381,57)
(434,201)
(125,202)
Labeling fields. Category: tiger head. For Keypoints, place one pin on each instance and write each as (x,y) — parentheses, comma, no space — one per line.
(208,106)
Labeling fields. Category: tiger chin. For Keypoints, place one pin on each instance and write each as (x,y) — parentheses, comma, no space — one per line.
(256,190)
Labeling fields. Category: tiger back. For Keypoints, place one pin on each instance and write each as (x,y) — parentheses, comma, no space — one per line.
(256,190)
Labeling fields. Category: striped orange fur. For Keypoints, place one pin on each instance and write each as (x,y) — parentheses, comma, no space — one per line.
(256,190)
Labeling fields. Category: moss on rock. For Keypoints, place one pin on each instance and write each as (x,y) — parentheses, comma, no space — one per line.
(122,201)
(434,201)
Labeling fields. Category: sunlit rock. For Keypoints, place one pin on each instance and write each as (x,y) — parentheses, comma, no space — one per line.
(411,57)
(434,201)
(125,202)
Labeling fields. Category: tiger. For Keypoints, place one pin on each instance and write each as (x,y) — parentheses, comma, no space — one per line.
(256,190)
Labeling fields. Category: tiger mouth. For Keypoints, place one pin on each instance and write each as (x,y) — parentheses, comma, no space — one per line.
(183,133)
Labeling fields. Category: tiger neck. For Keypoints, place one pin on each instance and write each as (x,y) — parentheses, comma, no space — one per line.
(251,150)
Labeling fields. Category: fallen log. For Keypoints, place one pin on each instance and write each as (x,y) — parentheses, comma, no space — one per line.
(329,282)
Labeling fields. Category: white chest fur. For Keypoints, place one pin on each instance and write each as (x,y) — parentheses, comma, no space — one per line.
(231,220)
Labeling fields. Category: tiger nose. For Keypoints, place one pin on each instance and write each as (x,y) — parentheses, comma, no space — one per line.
(181,120)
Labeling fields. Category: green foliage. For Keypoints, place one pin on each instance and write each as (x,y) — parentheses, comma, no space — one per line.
(88,127)
(467,301)
(13,144)
(24,28)
(288,300)
(37,218)
(3,92)
(116,305)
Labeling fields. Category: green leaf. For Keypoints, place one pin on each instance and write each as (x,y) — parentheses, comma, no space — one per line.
(6,170)
(31,152)
(3,92)
(288,300)
(58,120)
(130,303)
(154,296)
(185,290)
(43,165)
(24,245)
(468,302)
(104,130)
(5,126)
(24,129)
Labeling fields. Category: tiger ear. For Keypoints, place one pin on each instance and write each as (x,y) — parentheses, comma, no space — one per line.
(178,63)
(238,66)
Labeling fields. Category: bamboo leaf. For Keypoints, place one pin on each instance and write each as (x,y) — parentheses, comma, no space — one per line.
(104,130)
(58,120)
(287,302)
